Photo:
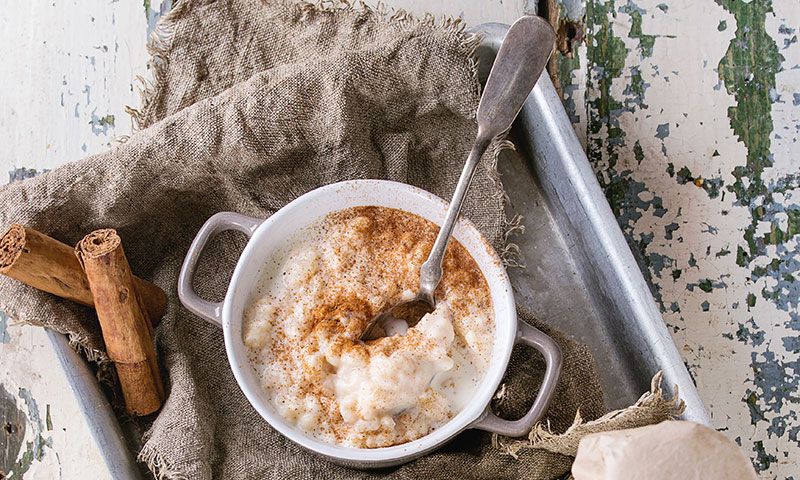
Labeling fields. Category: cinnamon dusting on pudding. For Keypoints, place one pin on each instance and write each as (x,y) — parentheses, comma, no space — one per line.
(302,329)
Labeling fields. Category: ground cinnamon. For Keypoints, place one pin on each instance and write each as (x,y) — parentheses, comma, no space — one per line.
(127,331)
(42,262)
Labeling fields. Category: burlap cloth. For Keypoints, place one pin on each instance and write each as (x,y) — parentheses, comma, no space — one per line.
(254,104)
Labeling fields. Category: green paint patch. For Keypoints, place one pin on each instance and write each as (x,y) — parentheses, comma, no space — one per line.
(646,42)
(47,419)
(35,449)
(23,464)
(755,410)
(751,300)
(13,434)
(606,56)
(100,125)
(742,258)
(636,88)
(793,222)
(565,66)
(776,235)
(685,175)
(748,71)
(763,459)
(107,120)
(638,153)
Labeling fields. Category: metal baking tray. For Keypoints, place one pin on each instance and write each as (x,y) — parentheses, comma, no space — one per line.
(579,276)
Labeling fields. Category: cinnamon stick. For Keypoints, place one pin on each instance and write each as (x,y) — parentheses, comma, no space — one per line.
(42,262)
(127,331)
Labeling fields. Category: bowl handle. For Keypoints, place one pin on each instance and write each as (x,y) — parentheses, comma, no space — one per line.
(553,359)
(210,311)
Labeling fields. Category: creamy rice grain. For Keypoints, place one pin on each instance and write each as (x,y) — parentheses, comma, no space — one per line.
(314,300)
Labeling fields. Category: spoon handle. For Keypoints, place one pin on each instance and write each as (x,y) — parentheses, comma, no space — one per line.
(431,271)
(519,63)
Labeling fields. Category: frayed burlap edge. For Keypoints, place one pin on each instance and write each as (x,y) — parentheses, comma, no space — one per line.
(159,43)
(652,407)
(158,46)
(158,465)
(509,251)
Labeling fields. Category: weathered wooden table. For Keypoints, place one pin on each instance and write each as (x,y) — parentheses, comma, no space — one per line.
(690,113)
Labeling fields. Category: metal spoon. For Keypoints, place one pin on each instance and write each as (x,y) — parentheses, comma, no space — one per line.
(519,63)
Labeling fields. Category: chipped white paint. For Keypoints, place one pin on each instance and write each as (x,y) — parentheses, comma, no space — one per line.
(69,68)
(29,363)
(786,106)
(737,362)
(67,73)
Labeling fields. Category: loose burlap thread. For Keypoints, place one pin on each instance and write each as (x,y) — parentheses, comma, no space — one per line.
(251,105)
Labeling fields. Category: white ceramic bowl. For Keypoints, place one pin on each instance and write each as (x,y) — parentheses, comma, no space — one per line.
(274,232)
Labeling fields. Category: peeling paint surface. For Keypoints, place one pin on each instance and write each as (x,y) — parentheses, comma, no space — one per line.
(691,119)
(689,112)
(49,437)
(12,434)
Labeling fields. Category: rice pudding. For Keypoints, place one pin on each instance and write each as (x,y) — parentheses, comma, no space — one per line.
(312,303)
